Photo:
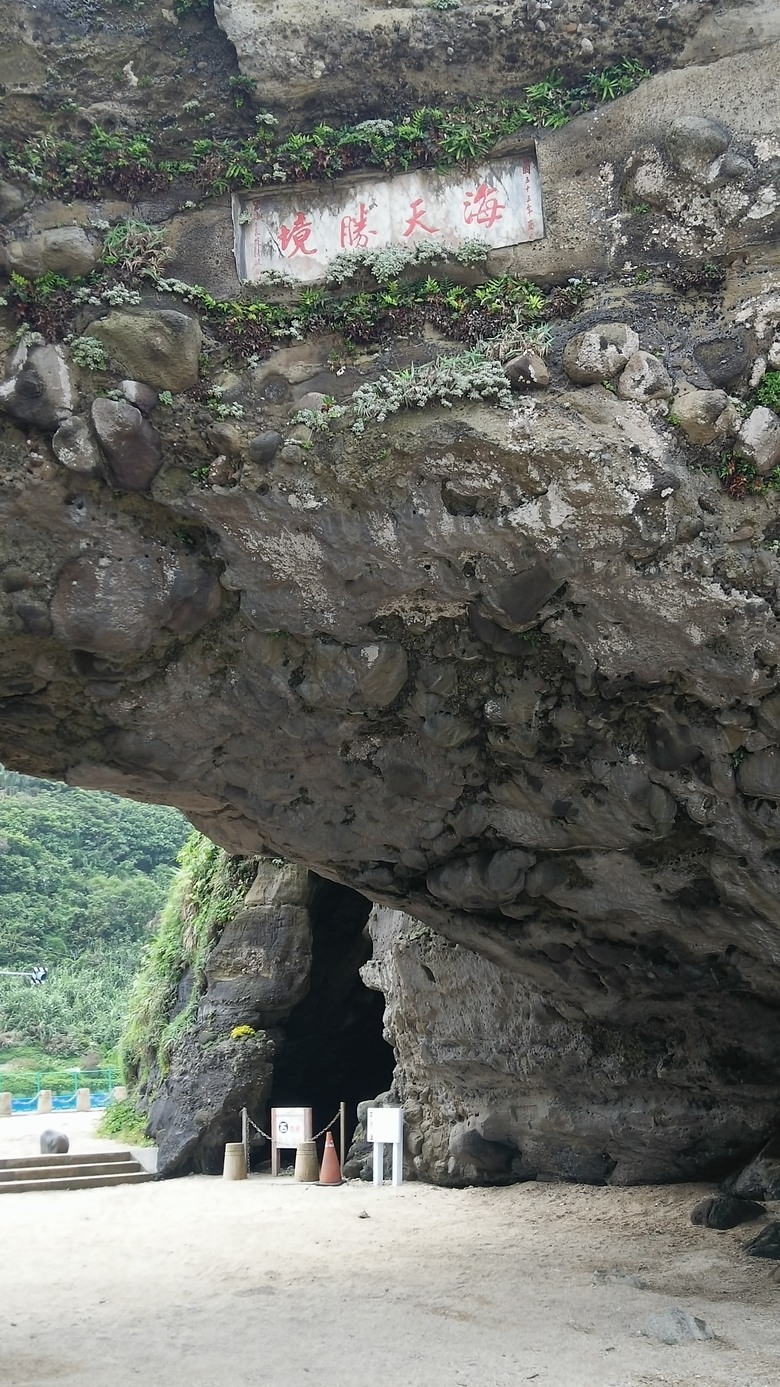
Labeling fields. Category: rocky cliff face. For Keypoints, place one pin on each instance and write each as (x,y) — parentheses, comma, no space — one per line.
(508,663)
(250,997)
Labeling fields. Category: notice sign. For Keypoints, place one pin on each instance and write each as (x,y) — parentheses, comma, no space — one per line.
(385,1125)
(299,232)
(290,1126)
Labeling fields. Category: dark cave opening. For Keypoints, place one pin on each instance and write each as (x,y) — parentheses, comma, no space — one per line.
(334,1050)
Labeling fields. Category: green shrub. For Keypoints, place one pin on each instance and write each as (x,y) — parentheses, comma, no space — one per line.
(123,1122)
(768,392)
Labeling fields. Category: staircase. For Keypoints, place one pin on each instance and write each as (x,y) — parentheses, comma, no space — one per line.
(70,1172)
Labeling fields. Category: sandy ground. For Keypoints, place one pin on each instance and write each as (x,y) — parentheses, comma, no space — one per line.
(269,1283)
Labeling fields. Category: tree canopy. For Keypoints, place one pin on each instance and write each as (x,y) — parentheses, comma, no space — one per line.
(83,877)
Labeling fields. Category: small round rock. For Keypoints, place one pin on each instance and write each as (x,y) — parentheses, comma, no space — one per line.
(264,446)
(142,396)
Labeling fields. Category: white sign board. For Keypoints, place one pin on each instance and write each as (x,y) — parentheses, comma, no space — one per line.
(298,232)
(290,1126)
(385,1124)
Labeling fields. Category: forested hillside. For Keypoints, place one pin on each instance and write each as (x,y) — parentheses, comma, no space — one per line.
(82,876)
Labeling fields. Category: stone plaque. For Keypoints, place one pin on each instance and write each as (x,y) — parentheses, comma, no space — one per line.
(298,232)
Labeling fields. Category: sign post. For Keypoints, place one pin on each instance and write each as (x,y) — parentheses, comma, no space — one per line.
(289,1127)
(386,1125)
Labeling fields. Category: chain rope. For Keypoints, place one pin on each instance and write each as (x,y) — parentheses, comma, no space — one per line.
(319,1134)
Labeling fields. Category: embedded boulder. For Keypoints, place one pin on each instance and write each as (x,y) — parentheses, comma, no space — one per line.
(133,448)
(528,371)
(759,439)
(40,391)
(117,604)
(599,353)
(63,250)
(644,378)
(74,446)
(697,412)
(693,143)
(160,348)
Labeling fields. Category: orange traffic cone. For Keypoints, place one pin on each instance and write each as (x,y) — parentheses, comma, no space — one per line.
(330,1170)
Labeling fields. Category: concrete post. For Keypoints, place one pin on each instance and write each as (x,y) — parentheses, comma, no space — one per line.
(307,1167)
(83,1100)
(5,1104)
(119,1093)
(44,1100)
(235,1161)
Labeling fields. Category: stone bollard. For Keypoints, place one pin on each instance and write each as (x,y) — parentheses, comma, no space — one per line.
(235,1161)
(307,1167)
(44,1100)
(83,1100)
(119,1094)
(5,1104)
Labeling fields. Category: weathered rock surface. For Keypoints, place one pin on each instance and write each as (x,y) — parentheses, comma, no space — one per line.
(368,60)
(259,969)
(161,349)
(39,390)
(65,250)
(132,447)
(759,439)
(513,672)
(760,1178)
(483,1104)
(698,411)
(198,1109)
(282,974)
(563,802)
(74,446)
(766,1243)
(600,353)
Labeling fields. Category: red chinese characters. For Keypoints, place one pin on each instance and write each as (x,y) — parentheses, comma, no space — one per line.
(482,207)
(355,231)
(416,222)
(296,236)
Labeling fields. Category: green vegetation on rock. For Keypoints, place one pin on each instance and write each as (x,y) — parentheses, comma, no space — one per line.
(768,392)
(253,326)
(206,893)
(128,161)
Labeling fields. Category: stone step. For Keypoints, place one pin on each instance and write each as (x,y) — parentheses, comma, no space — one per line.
(70,1158)
(85,1166)
(76,1182)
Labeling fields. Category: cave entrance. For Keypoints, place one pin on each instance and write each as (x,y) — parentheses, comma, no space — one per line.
(334,1049)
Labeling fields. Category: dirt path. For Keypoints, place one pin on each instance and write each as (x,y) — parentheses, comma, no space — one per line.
(203,1283)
